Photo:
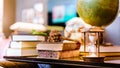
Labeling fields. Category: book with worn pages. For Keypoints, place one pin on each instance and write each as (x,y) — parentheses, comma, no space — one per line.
(23,44)
(28,38)
(21,52)
(57,54)
(58,46)
(107,51)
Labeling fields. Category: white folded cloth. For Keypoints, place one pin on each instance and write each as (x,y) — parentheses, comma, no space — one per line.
(28,27)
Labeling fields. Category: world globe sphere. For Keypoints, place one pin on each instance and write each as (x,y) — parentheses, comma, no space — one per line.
(98,12)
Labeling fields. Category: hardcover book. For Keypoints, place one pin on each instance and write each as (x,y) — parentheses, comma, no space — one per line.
(108,51)
(28,38)
(23,44)
(21,52)
(58,46)
(57,54)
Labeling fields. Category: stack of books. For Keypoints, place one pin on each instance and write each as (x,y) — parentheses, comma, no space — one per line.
(24,45)
(58,50)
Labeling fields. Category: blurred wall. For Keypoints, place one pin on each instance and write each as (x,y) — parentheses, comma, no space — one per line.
(112,32)
(27,4)
(52,3)
(48,4)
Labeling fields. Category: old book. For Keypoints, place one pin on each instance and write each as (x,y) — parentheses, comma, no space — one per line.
(23,44)
(109,48)
(28,38)
(57,54)
(21,52)
(104,48)
(58,46)
(108,51)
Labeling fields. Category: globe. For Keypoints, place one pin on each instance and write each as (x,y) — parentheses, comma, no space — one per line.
(98,12)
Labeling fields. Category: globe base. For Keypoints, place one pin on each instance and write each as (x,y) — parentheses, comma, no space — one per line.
(96,29)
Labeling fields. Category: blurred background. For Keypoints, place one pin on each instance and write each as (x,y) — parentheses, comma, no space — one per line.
(46,12)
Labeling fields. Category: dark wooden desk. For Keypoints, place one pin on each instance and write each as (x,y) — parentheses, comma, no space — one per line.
(72,62)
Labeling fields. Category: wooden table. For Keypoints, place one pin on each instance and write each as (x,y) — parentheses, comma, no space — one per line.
(113,62)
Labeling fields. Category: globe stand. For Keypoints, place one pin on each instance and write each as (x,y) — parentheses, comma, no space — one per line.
(96,15)
(93,48)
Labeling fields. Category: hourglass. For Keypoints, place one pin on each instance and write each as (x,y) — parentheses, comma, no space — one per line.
(93,48)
